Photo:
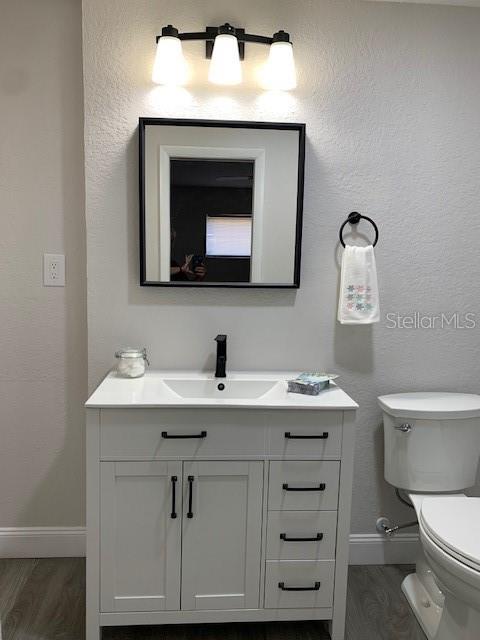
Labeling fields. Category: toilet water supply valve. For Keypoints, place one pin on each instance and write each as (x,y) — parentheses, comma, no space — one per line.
(405,427)
(383,525)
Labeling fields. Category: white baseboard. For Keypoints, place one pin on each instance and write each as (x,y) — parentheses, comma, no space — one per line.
(374,548)
(69,542)
(42,542)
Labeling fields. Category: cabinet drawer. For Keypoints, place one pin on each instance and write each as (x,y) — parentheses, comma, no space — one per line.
(306,434)
(301,535)
(146,434)
(303,485)
(299,585)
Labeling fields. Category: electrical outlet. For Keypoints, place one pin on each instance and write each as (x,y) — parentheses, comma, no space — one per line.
(53,270)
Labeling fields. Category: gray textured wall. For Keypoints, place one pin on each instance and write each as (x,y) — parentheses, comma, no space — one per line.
(43,336)
(391,97)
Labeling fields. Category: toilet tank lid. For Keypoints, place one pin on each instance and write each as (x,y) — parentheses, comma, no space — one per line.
(431,405)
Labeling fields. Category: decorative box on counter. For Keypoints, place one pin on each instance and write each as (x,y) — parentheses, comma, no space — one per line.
(310,384)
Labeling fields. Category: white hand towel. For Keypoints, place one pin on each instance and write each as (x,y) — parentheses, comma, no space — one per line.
(358,302)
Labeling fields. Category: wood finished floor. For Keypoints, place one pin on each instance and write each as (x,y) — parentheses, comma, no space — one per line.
(44,600)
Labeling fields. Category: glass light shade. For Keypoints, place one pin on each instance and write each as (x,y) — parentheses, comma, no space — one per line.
(280,70)
(225,65)
(170,66)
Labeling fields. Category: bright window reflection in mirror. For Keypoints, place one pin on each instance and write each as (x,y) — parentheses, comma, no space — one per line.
(229,236)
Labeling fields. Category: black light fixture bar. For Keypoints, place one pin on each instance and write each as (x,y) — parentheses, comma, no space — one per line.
(211,33)
(249,37)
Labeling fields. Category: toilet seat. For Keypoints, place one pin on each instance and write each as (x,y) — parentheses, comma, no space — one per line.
(453,523)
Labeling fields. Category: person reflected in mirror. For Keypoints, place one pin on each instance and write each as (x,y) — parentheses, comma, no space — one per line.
(193,267)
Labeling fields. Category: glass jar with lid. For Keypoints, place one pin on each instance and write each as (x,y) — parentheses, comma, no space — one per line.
(131,362)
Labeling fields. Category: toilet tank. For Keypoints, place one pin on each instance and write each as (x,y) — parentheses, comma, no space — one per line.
(432,440)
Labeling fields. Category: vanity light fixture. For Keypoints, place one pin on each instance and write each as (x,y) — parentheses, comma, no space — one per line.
(170,66)
(225,47)
(280,70)
(225,66)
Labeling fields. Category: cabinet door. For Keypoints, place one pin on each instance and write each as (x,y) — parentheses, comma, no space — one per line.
(222,525)
(140,540)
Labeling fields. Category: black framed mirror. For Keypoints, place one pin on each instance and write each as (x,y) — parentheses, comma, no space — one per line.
(221,203)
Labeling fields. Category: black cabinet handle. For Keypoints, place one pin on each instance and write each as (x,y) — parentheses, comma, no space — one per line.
(190,496)
(174,483)
(322,436)
(318,536)
(202,434)
(316,587)
(321,487)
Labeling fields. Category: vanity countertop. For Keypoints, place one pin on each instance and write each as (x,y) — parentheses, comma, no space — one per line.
(189,389)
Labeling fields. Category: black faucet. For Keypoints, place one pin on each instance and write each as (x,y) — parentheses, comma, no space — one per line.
(221,341)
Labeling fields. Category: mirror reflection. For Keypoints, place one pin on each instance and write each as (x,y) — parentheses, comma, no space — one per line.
(211,219)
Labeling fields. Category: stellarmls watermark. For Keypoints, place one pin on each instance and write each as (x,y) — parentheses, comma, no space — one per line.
(418,320)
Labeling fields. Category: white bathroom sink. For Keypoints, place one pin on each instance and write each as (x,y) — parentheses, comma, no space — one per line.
(220,388)
(243,390)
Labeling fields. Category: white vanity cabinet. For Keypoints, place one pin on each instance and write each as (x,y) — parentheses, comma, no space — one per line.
(217,513)
(173,532)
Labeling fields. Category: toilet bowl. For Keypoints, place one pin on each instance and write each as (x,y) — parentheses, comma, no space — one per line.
(432,447)
(450,537)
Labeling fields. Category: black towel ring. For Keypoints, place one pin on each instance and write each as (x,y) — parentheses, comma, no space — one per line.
(354,218)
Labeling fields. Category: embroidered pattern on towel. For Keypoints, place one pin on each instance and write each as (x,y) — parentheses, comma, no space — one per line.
(359,298)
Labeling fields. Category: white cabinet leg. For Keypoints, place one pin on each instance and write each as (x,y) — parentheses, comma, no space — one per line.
(92,628)
(336,627)
(343,528)
(93,631)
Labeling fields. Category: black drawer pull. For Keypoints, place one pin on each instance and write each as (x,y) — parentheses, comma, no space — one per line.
(202,434)
(173,479)
(190,496)
(316,587)
(322,436)
(287,487)
(318,536)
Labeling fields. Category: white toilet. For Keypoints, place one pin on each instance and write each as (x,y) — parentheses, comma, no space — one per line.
(432,448)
